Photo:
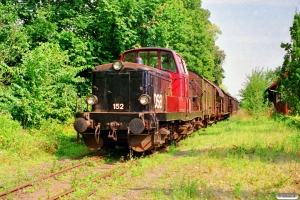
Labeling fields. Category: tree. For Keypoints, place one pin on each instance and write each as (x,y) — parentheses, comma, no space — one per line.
(42,87)
(289,81)
(13,39)
(97,32)
(218,71)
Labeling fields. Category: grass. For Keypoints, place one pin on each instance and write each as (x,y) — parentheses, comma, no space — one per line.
(240,158)
(29,153)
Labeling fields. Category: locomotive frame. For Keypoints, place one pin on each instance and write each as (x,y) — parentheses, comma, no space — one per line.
(148,99)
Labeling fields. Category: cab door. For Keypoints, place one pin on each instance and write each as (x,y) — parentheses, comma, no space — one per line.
(177,101)
(185,85)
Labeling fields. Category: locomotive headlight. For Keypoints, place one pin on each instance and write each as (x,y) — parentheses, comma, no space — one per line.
(117,65)
(145,99)
(91,100)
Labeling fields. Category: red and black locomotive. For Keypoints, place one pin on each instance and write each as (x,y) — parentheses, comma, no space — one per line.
(148,99)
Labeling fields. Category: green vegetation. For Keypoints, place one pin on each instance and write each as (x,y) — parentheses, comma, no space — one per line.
(253,98)
(53,138)
(22,151)
(289,78)
(42,87)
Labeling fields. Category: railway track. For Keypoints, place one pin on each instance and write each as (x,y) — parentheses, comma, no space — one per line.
(103,176)
(63,188)
(31,183)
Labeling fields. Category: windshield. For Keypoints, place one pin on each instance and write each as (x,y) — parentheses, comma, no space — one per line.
(154,58)
(149,58)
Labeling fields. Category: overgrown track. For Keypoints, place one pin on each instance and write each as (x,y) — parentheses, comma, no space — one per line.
(102,172)
(104,176)
(31,183)
(111,173)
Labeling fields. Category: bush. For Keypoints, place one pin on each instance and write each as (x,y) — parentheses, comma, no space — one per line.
(52,138)
(43,87)
(253,99)
(14,140)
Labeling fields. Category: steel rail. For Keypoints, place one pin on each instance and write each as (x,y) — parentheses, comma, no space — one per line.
(30,183)
(104,176)
(107,174)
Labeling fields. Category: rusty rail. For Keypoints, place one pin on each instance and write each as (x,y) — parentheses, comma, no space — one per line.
(106,175)
(30,183)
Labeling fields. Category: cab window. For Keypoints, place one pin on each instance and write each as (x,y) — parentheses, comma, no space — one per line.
(150,58)
(129,57)
(182,64)
(167,62)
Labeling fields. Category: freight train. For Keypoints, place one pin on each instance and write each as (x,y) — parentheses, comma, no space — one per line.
(148,99)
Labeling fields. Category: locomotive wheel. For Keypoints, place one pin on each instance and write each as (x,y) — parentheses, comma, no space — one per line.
(91,143)
(141,143)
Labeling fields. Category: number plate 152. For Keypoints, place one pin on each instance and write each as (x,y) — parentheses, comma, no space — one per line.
(118,106)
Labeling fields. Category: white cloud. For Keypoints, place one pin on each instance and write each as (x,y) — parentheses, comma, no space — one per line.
(255,2)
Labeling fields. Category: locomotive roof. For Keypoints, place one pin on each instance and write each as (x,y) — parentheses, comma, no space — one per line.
(150,48)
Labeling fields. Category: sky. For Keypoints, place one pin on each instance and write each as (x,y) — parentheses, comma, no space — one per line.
(252,31)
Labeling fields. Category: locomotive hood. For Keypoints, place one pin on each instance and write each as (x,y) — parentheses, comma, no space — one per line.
(119,88)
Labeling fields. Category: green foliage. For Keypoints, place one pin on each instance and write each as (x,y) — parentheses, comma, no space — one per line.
(199,49)
(43,87)
(52,138)
(218,71)
(253,92)
(289,82)
(104,29)
(8,126)
(41,29)
(13,39)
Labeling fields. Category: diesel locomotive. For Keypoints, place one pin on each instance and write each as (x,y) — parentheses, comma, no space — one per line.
(148,99)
